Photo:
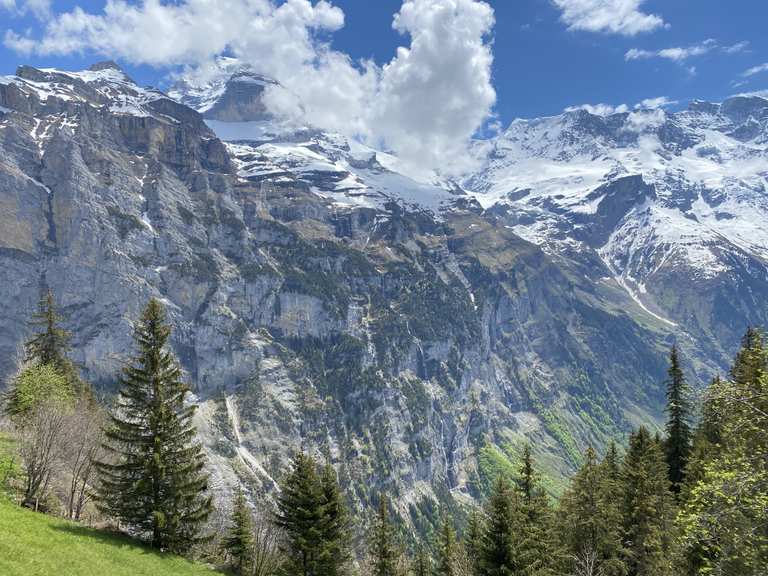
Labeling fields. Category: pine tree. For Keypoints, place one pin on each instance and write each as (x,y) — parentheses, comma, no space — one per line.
(474,541)
(422,566)
(300,515)
(50,344)
(537,549)
(382,546)
(156,486)
(334,553)
(590,521)
(239,542)
(647,509)
(448,554)
(678,442)
(500,544)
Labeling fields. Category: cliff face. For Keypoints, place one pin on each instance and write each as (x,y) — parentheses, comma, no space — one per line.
(417,349)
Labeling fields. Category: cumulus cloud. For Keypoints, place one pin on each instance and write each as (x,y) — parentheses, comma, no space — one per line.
(683,53)
(612,16)
(755,70)
(426,103)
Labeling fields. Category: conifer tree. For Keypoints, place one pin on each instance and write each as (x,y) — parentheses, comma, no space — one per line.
(590,522)
(300,515)
(474,541)
(239,542)
(156,485)
(678,442)
(647,510)
(500,544)
(422,565)
(538,549)
(382,546)
(50,344)
(448,553)
(334,553)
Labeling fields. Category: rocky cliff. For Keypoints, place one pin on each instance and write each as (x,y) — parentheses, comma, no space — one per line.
(321,297)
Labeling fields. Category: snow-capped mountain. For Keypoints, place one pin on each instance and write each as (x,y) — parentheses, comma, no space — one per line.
(649,198)
(323,295)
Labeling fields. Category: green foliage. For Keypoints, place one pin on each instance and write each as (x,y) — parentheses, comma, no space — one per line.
(646,507)
(500,549)
(678,442)
(590,522)
(314,518)
(238,544)
(155,483)
(493,464)
(382,545)
(36,384)
(33,544)
(724,519)
(10,468)
(449,561)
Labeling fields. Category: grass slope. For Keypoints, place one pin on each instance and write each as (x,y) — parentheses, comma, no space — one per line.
(33,544)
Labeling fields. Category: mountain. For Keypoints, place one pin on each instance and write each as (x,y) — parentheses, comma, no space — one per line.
(416,332)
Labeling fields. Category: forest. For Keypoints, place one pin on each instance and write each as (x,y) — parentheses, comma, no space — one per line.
(691,499)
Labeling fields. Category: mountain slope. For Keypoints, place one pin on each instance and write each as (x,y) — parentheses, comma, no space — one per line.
(410,330)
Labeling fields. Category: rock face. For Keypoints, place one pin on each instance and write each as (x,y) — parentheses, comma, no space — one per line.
(324,299)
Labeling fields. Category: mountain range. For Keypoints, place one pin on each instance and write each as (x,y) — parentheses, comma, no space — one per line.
(415,330)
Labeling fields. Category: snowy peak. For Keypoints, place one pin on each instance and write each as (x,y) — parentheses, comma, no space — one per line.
(104,84)
(231,92)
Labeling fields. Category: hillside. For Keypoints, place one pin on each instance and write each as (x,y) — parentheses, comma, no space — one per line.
(37,545)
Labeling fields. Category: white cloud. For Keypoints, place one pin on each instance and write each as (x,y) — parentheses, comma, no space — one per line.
(612,16)
(683,53)
(40,9)
(425,103)
(600,109)
(649,104)
(653,103)
(755,70)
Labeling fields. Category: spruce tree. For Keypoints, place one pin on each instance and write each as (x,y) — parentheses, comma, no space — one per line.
(422,565)
(474,541)
(678,442)
(50,344)
(589,517)
(448,553)
(239,542)
(335,545)
(300,515)
(647,509)
(156,485)
(382,545)
(500,544)
(538,550)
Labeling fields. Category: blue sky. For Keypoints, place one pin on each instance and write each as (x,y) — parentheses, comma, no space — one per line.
(540,66)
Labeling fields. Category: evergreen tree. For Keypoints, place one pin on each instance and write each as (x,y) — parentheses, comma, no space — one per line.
(474,541)
(448,553)
(500,544)
(239,542)
(335,546)
(590,521)
(678,443)
(156,485)
(647,510)
(50,343)
(539,553)
(382,546)
(422,566)
(300,515)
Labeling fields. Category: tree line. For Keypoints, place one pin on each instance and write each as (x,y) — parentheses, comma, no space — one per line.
(693,501)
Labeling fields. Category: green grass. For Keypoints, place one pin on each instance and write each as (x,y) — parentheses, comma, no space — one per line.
(33,544)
